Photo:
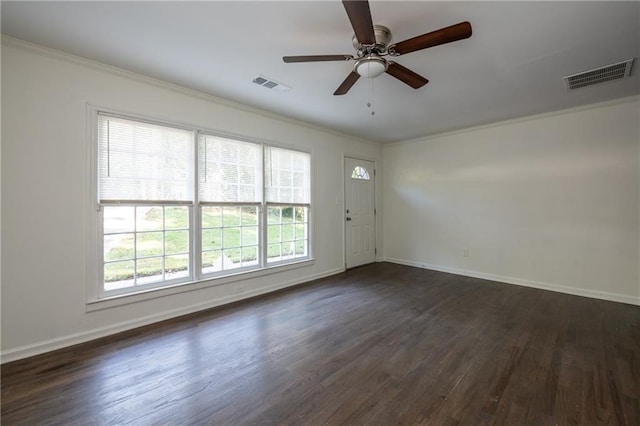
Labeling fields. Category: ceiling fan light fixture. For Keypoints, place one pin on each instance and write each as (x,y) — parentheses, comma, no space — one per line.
(370,66)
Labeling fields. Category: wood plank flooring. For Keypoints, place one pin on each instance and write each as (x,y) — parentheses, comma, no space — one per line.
(379,345)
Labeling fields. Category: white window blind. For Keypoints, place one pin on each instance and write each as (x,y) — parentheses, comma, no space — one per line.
(229,170)
(287,176)
(143,162)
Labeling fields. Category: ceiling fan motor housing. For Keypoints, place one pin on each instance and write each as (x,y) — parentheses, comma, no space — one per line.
(383,37)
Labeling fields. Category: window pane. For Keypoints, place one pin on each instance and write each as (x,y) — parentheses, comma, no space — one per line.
(118,219)
(210,261)
(249,215)
(231,258)
(149,244)
(249,235)
(287,214)
(177,266)
(287,232)
(300,231)
(119,247)
(149,218)
(119,274)
(249,256)
(274,215)
(360,172)
(176,217)
(273,233)
(231,237)
(273,252)
(211,217)
(301,214)
(231,216)
(211,239)
(176,242)
(301,247)
(149,270)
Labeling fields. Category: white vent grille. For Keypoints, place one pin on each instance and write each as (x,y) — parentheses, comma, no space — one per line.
(269,83)
(599,75)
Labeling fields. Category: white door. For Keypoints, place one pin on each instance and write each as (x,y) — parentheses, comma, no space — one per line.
(359,190)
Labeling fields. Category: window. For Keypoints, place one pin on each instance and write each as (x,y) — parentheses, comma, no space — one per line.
(287,233)
(178,205)
(288,195)
(145,193)
(230,187)
(360,172)
(230,237)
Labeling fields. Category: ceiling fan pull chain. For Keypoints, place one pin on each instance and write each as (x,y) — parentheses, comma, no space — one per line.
(370,103)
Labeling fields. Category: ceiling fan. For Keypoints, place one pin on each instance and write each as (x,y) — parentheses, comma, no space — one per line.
(372,44)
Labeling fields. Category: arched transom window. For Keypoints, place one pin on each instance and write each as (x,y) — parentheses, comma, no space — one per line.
(360,172)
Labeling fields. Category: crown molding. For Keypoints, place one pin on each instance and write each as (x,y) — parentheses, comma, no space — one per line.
(79,60)
(556,113)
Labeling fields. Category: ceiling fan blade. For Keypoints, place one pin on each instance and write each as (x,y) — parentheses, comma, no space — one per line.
(347,83)
(360,16)
(406,75)
(316,58)
(435,38)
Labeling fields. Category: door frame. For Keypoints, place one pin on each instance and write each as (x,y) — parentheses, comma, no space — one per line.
(344,204)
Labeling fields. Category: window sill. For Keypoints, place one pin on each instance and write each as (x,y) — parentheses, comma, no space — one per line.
(144,295)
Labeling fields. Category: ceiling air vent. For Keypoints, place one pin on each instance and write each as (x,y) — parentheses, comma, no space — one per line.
(263,81)
(599,75)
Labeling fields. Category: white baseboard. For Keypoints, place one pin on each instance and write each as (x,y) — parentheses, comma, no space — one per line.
(594,294)
(85,336)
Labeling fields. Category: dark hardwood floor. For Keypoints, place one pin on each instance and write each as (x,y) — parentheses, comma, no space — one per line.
(381,345)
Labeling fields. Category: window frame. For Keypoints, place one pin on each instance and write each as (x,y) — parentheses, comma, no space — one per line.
(97,295)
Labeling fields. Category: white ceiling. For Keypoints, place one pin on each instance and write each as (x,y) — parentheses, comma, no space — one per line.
(511,66)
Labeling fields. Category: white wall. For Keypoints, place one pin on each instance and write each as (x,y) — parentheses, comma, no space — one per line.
(551,201)
(45,193)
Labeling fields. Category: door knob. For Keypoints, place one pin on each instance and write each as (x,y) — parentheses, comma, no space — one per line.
(348,219)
